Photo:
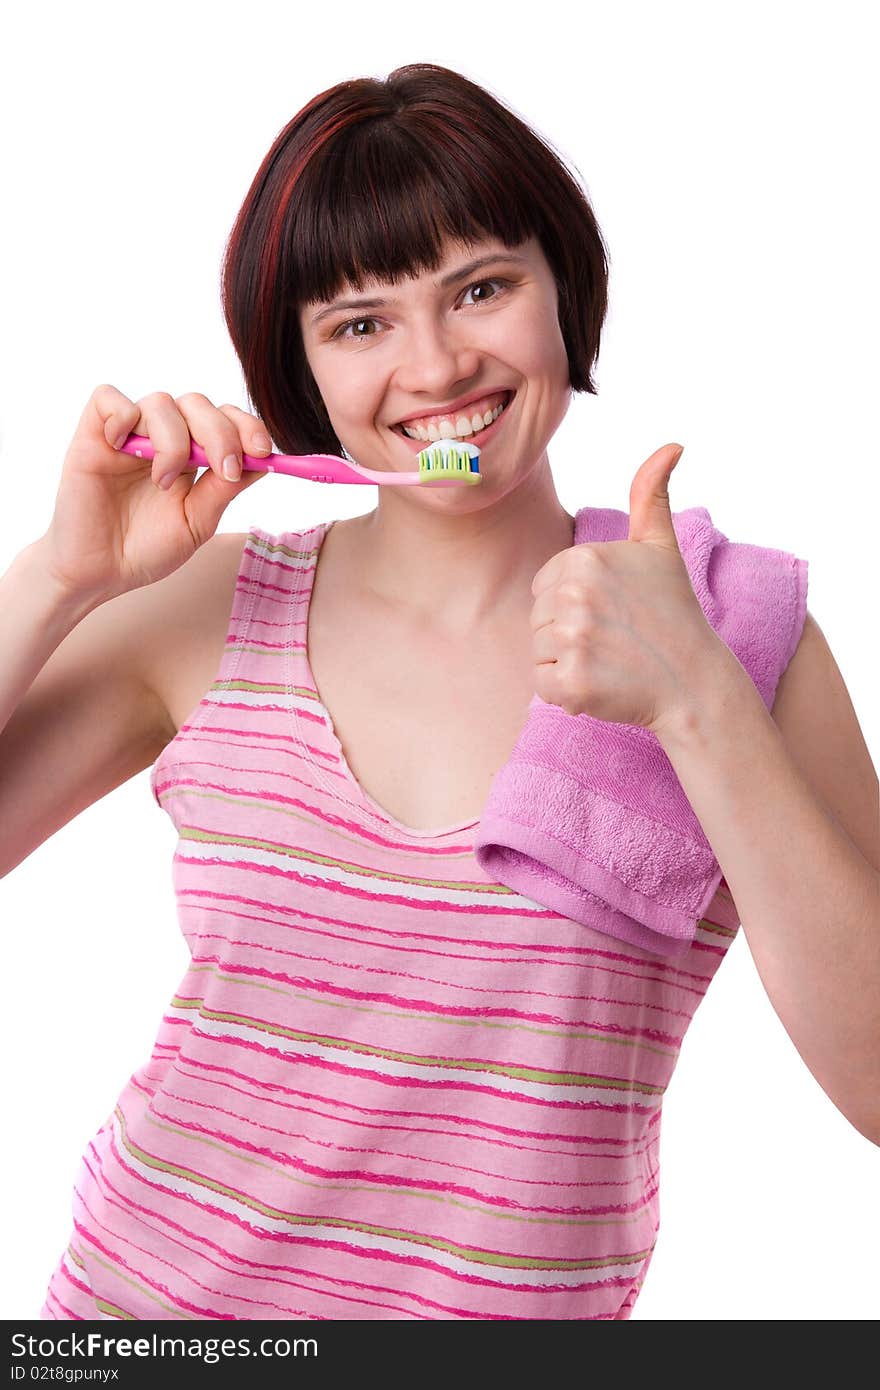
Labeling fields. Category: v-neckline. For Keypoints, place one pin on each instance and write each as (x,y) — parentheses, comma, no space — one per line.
(369,802)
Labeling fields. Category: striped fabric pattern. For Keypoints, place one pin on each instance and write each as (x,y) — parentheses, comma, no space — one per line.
(386,1087)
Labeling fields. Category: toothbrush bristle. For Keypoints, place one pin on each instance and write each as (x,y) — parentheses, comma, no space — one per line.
(446,459)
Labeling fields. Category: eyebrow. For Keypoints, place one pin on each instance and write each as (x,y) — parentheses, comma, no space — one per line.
(450,279)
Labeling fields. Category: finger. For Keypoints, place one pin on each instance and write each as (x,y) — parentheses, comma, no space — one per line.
(161,421)
(209,497)
(254,436)
(548,573)
(543,610)
(650,510)
(545,645)
(110,413)
(215,432)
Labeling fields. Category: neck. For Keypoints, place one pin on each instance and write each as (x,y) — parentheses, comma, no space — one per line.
(457,571)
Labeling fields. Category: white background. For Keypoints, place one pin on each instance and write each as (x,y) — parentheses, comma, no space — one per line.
(729,151)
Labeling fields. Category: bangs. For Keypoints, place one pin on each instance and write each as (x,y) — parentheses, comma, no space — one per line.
(382,205)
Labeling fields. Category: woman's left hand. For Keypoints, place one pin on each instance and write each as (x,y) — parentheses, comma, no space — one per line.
(618,632)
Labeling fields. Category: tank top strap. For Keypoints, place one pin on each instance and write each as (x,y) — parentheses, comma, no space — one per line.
(273,572)
(254,685)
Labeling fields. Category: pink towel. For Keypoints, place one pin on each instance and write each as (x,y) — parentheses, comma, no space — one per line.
(587,817)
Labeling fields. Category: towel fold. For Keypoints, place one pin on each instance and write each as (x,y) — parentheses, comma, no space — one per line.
(587,817)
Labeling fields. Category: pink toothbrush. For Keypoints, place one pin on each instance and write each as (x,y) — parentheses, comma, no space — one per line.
(448,461)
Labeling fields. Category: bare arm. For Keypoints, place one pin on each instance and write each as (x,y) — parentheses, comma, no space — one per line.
(78,706)
(90,613)
(35,617)
(790,807)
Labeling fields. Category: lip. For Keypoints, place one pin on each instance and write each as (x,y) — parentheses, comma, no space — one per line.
(417,445)
(456,406)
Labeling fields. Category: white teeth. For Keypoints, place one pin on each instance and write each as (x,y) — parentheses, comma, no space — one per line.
(463,426)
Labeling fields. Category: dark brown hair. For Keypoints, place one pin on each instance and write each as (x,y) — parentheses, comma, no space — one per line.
(368,180)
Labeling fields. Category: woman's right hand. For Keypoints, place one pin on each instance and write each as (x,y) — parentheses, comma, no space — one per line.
(114,528)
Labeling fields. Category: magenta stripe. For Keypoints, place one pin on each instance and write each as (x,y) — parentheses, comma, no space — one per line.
(315,1242)
(427,980)
(301,1060)
(656,973)
(65,1311)
(198,1311)
(398,1180)
(427,1006)
(278,1273)
(495,1134)
(168,1267)
(594,954)
(289,1134)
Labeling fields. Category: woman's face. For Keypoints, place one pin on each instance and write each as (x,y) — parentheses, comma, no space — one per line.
(469,333)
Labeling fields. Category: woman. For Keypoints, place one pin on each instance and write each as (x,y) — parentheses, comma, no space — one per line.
(386,1087)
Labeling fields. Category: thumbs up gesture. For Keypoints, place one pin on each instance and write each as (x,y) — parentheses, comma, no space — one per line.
(618,632)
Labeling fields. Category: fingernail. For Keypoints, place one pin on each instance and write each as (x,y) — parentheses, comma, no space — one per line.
(121,440)
(167,479)
(262,441)
(231,468)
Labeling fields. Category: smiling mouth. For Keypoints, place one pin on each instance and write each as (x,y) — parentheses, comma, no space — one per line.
(451,434)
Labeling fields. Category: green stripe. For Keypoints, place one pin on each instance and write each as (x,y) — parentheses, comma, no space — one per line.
(216,837)
(534,1074)
(114,1310)
(189,832)
(267,804)
(342,1185)
(246,647)
(716,928)
(135,1284)
(265,687)
(275,547)
(464,1252)
(77,1258)
(540,1030)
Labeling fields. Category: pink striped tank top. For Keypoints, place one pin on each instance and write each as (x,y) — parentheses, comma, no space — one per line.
(386,1087)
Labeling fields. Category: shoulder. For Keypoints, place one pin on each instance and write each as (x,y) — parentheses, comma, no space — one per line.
(189,596)
(197,589)
(819,726)
(184,618)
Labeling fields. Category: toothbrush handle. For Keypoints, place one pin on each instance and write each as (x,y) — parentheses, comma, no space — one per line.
(317,468)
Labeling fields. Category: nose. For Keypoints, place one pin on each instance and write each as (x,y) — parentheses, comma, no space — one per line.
(435,360)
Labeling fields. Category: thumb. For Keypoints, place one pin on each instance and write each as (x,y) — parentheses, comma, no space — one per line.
(209,497)
(650,513)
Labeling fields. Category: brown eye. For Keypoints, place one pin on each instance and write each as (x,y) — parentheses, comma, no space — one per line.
(342,330)
(481,286)
(496,286)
